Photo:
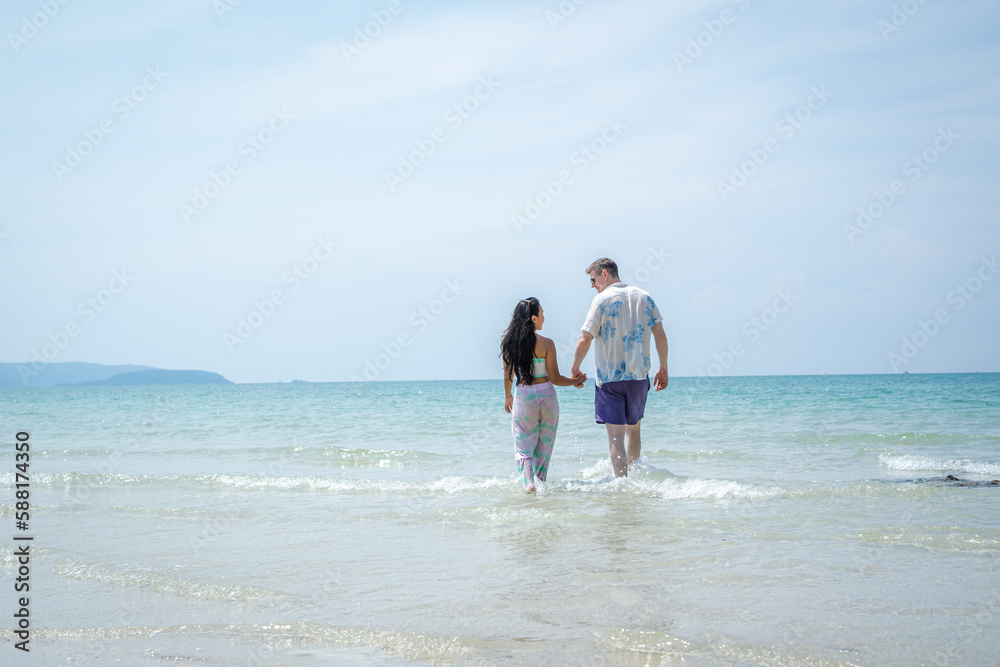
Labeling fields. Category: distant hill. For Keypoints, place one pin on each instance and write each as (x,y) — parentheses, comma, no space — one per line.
(67,372)
(78,373)
(158,376)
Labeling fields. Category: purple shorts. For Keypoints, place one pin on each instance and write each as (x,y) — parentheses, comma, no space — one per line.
(622,402)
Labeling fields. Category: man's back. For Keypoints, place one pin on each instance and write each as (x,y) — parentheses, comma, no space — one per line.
(621,319)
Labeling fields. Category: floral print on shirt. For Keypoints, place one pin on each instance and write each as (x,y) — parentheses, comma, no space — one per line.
(621,319)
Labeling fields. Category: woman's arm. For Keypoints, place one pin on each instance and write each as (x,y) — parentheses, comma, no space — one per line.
(552,367)
(508,401)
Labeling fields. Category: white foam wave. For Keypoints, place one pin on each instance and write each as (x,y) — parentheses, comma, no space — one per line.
(272,483)
(946,538)
(691,488)
(648,480)
(8,557)
(128,576)
(178,512)
(644,480)
(415,646)
(903,462)
(648,642)
(642,469)
(444,485)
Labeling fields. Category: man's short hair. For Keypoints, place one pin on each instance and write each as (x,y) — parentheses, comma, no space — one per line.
(604,263)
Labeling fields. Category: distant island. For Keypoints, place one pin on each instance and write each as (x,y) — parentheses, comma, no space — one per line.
(159,376)
(85,374)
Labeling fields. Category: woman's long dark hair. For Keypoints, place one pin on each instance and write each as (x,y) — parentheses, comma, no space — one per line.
(518,346)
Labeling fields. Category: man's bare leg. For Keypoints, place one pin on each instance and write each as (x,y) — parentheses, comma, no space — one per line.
(633,442)
(616,446)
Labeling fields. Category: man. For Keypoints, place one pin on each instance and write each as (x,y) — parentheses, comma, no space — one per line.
(622,318)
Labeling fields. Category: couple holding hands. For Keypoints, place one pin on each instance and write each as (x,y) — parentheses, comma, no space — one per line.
(621,320)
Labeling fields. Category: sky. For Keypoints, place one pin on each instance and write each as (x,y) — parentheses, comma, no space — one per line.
(336,191)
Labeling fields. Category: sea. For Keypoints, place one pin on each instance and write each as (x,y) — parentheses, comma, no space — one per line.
(800,520)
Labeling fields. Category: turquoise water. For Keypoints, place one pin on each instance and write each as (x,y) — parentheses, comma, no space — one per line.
(773,521)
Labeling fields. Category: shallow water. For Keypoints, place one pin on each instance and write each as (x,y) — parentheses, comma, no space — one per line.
(772,521)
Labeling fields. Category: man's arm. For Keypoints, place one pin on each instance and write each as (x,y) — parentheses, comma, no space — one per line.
(661,378)
(582,347)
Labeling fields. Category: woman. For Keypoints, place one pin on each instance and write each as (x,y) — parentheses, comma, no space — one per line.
(529,363)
